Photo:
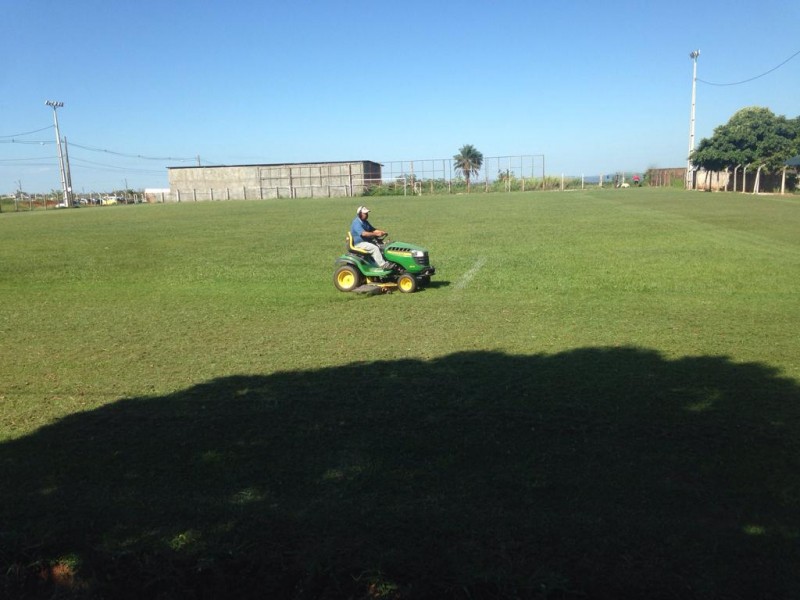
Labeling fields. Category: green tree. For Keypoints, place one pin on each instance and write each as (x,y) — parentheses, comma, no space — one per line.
(469,161)
(753,135)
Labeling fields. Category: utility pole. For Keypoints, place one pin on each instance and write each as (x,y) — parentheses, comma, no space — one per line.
(67,171)
(694,54)
(56,105)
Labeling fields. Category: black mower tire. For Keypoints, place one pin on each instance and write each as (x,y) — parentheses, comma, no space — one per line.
(347,278)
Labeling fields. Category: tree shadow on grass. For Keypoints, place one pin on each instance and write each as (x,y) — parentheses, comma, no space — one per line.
(599,473)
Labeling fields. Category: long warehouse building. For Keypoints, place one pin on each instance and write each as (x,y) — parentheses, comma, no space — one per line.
(294,180)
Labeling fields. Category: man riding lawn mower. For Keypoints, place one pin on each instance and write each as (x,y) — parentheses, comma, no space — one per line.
(378,265)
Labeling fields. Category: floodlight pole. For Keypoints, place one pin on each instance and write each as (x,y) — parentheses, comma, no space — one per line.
(56,105)
(694,54)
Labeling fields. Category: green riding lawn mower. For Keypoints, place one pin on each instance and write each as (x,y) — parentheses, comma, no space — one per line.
(408,268)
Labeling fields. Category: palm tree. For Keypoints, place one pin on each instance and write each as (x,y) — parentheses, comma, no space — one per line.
(468,161)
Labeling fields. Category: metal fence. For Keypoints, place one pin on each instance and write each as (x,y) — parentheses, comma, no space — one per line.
(54,201)
(497,174)
(427,176)
(418,177)
(403,177)
(438,175)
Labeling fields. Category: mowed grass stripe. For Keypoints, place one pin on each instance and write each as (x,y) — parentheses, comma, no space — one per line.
(470,274)
(733,231)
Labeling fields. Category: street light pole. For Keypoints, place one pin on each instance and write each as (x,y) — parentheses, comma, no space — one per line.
(689,167)
(56,105)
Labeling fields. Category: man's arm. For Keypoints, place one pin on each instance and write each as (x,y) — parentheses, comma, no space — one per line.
(369,231)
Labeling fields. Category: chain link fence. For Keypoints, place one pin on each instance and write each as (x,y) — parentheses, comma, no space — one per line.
(54,201)
(497,174)
(517,173)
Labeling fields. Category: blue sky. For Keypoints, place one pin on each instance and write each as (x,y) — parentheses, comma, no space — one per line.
(595,87)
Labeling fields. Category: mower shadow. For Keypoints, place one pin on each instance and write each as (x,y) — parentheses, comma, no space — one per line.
(599,473)
(437,284)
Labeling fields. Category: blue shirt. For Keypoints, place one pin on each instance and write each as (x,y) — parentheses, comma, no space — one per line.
(357,227)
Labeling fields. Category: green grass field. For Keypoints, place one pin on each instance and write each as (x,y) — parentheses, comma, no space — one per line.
(597,397)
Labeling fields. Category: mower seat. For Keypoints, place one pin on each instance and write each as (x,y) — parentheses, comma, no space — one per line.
(353,249)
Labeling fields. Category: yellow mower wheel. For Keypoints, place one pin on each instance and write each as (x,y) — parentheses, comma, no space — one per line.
(407,283)
(347,278)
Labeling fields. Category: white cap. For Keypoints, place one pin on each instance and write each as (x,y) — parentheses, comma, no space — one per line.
(362,209)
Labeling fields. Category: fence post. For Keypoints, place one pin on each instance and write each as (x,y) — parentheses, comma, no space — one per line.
(350,178)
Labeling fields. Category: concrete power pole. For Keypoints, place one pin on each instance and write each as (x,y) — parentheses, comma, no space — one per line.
(689,167)
(56,105)
(68,172)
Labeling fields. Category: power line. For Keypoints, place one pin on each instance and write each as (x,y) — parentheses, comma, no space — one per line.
(35,164)
(12,141)
(752,78)
(83,164)
(87,164)
(94,149)
(9,160)
(27,132)
(126,155)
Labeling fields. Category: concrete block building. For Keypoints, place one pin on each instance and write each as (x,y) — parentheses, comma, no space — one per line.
(294,180)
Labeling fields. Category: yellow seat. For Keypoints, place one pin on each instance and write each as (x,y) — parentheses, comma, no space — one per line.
(352,248)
